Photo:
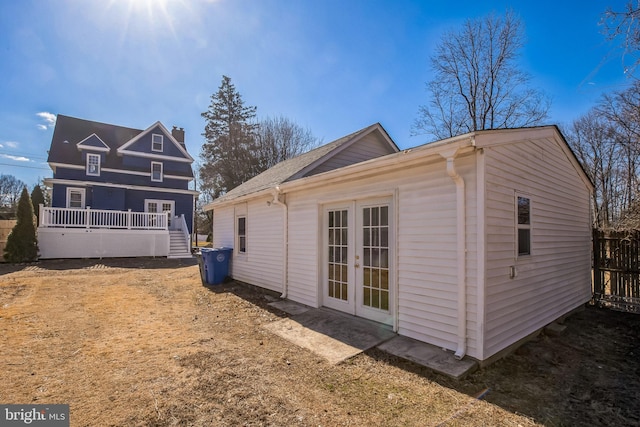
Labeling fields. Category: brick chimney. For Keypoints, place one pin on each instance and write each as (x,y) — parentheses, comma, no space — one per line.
(178,134)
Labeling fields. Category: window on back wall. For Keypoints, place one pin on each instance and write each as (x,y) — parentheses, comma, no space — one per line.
(241,240)
(75,198)
(156,171)
(156,142)
(93,164)
(524,225)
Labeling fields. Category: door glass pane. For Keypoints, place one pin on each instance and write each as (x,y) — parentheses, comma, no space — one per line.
(338,242)
(375,249)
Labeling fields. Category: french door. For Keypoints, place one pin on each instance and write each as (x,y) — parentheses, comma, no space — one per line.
(159,206)
(357,265)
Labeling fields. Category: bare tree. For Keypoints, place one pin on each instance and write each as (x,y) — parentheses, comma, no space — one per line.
(624,26)
(10,190)
(478,83)
(606,140)
(593,140)
(278,139)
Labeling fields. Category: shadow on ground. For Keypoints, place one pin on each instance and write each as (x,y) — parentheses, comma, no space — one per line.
(587,375)
(73,264)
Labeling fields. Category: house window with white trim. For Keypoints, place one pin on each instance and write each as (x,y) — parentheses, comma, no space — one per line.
(156,142)
(524,225)
(76,198)
(241,235)
(156,171)
(93,164)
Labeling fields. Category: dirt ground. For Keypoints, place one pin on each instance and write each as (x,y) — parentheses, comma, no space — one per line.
(140,342)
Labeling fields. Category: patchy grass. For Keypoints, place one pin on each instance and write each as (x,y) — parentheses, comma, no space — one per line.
(142,342)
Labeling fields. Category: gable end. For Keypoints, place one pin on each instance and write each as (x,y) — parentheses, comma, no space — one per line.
(93,143)
(142,146)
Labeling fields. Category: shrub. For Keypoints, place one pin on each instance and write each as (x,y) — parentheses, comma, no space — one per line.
(22,245)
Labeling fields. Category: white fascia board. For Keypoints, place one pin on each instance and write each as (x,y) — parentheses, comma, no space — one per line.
(400,160)
(123,148)
(147,174)
(154,156)
(121,171)
(54,165)
(105,147)
(125,186)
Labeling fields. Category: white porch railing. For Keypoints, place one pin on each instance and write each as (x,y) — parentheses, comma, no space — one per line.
(98,218)
(183,226)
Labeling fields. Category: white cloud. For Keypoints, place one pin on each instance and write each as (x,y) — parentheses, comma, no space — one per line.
(49,118)
(16,158)
(11,144)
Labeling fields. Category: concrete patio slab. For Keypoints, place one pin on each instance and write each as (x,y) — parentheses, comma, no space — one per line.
(331,334)
(428,355)
(338,336)
(290,307)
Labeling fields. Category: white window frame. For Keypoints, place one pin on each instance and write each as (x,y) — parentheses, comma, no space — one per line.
(157,139)
(519,226)
(83,194)
(161,172)
(89,164)
(239,237)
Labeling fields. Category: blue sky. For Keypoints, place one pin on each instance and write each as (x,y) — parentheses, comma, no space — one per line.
(330,66)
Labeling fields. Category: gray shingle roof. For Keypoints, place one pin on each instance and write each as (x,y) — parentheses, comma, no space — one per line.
(73,130)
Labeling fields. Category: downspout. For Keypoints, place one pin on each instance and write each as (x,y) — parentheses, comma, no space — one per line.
(461,257)
(285,242)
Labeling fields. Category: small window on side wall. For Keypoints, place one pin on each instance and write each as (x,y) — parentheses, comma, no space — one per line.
(93,164)
(156,171)
(76,198)
(524,225)
(156,142)
(242,235)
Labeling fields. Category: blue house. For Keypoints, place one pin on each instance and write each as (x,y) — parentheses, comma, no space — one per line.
(112,183)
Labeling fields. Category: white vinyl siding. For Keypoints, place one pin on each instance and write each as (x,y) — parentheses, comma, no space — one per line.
(262,262)
(555,278)
(427,255)
(426,251)
(223,229)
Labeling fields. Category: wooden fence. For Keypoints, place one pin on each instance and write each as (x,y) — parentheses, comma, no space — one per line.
(6,225)
(616,269)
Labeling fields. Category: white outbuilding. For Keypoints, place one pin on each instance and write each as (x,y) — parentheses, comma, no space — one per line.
(471,243)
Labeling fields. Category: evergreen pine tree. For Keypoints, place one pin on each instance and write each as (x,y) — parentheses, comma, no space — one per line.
(37,199)
(227,153)
(22,245)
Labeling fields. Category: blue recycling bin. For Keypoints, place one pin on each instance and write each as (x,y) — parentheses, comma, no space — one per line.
(216,264)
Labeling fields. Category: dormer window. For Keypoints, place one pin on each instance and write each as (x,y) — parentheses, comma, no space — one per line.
(156,171)
(93,164)
(156,142)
